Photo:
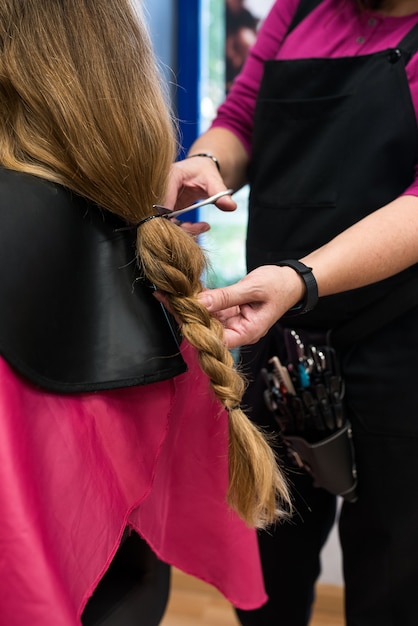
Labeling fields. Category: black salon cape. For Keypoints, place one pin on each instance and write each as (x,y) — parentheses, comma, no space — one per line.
(75,315)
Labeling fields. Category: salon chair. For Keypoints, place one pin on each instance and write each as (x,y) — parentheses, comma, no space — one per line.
(134,591)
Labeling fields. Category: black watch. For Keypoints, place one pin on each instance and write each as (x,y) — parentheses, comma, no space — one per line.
(311,294)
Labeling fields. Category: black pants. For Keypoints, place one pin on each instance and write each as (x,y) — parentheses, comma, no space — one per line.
(290,555)
(133,592)
(378,533)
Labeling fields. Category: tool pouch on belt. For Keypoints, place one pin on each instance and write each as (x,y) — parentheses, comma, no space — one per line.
(305,396)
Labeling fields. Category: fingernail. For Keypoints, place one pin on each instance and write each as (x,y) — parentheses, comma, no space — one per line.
(205,299)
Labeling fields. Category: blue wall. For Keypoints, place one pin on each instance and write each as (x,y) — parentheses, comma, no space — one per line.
(174,27)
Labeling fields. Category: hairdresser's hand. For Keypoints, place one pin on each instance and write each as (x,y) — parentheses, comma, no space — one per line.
(249,308)
(195,179)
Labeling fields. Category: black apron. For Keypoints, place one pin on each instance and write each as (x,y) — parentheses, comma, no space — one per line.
(75,314)
(334,140)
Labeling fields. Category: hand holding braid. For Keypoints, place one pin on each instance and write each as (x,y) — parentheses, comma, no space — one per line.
(174,263)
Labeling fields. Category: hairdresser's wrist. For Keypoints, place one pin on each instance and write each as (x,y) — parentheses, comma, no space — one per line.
(206,155)
(309,297)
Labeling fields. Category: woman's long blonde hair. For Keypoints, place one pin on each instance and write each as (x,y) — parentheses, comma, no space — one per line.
(81,104)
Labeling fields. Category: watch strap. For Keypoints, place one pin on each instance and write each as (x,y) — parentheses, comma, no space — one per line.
(310,298)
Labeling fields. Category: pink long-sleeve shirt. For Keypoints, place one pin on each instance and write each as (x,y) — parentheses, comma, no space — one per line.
(334,29)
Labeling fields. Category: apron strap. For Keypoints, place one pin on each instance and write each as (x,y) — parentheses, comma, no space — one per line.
(303,9)
(409,43)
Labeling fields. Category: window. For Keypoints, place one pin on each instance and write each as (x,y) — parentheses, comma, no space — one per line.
(206,64)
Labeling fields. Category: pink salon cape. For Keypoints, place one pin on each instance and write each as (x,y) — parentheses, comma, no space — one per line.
(77,469)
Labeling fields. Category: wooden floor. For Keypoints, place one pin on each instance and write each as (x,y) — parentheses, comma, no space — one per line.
(193,603)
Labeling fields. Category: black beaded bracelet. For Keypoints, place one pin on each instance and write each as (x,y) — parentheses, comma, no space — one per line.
(311,294)
(208,156)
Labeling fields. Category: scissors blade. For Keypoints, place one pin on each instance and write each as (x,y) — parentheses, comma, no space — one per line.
(211,200)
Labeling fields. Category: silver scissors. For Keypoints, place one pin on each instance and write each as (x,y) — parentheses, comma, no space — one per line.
(211,200)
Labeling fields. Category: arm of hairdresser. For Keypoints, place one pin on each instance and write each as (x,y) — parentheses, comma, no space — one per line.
(381,245)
